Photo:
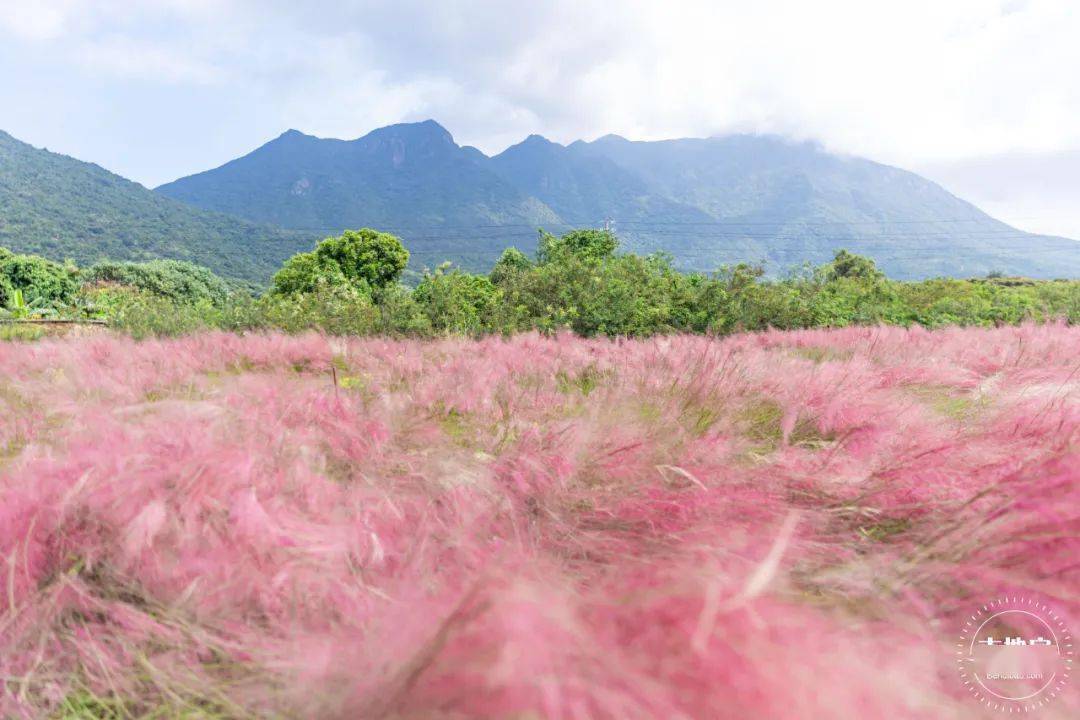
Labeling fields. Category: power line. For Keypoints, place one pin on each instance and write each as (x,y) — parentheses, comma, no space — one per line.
(719,235)
(610,221)
(451,231)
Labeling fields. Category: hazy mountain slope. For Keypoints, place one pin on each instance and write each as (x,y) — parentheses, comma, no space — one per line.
(63,208)
(804,202)
(412,179)
(588,189)
(583,189)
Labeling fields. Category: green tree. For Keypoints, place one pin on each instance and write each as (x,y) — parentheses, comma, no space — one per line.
(591,245)
(850,265)
(364,259)
(376,258)
(511,263)
(305,273)
(617,295)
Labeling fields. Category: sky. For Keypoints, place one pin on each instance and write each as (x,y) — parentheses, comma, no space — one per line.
(980,95)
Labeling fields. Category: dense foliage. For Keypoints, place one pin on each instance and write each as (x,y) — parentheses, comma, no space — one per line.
(350,285)
(35,278)
(366,259)
(453,300)
(172,279)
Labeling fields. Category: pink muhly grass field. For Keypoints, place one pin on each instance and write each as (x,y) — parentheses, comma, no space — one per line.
(781,525)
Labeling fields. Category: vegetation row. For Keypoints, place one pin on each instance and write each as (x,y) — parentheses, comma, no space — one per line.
(352,285)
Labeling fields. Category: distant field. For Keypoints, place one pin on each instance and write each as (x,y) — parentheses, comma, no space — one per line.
(779,525)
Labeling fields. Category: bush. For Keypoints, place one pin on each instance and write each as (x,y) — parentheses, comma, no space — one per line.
(142,314)
(399,313)
(172,279)
(455,301)
(589,245)
(40,280)
(850,265)
(510,264)
(593,295)
(333,309)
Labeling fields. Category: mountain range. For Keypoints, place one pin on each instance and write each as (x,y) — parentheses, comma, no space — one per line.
(706,202)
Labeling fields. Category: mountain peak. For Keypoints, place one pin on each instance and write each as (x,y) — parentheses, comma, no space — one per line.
(431,124)
(532,145)
(535,139)
(474,154)
(426,130)
(291,141)
(293,135)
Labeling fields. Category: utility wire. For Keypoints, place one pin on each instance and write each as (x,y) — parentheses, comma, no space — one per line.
(599,222)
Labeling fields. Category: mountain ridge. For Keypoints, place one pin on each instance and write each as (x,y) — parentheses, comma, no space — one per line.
(408,175)
(706,201)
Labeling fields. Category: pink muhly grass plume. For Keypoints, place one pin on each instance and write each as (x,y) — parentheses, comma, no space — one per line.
(778,525)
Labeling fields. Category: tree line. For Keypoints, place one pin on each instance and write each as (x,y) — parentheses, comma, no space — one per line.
(579,281)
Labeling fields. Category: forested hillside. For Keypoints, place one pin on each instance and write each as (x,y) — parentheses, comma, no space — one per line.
(62,208)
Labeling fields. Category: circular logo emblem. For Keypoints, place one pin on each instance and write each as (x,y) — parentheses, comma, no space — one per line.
(1015,654)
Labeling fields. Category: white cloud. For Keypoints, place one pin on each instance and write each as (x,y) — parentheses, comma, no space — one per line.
(912,83)
(44,21)
(904,81)
(127,57)
(1033,191)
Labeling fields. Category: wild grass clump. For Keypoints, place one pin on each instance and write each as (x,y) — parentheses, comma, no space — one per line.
(779,525)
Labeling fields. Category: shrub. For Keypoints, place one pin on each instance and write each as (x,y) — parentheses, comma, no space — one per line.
(39,279)
(141,313)
(399,313)
(333,309)
(510,264)
(590,245)
(616,295)
(172,279)
(850,265)
(456,301)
